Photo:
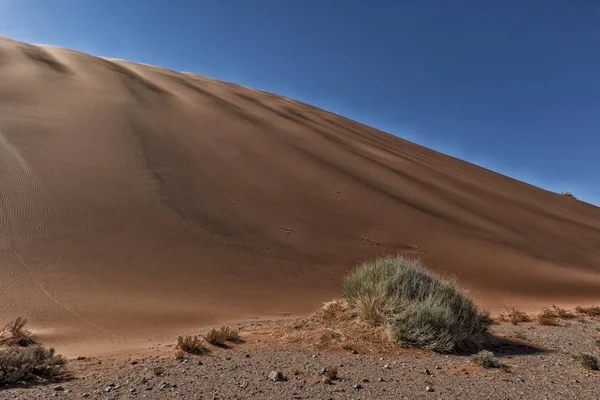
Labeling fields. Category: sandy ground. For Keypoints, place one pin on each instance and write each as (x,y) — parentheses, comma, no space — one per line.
(138,202)
(540,355)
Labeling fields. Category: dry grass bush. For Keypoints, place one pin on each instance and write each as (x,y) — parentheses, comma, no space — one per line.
(191,345)
(545,320)
(568,194)
(334,327)
(158,371)
(592,311)
(587,361)
(598,343)
(517,316)
(15,334)
(486,359)
(218,337)
(27,363)
(418,309)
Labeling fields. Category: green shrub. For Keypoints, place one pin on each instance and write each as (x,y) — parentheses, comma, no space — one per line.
(25,363)
(419,309)
(486,359)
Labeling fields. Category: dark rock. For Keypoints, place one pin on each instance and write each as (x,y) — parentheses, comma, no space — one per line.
(58,388)
(519,379)
(357,386)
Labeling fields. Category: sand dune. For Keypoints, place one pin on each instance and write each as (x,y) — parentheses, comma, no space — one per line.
(138,201)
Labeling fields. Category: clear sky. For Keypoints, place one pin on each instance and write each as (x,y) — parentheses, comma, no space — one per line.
(510,85)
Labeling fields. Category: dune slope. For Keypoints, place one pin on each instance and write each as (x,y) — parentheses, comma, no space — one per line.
(137,201)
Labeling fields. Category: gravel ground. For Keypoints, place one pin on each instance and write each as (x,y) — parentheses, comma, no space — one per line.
(541,356)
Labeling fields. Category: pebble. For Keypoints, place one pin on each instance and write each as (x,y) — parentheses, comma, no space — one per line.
(574,381)
(386,366)
(276,376)
(519,379)
(381,380)
(427,372)
(429,389)
(59,388)
(357,386)
(354,352)
(327,381)
(134,362)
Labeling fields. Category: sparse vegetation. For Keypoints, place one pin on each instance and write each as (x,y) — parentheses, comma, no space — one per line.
(22,358)
(191,345)
(568,194)
(598,343)
(179,355)
(27,363)
(158,371)
(419,309)
(592,311)
(545,320)
(218,337)
(15,334)
(547,317)
(486,359)
(517,316)
(588,361)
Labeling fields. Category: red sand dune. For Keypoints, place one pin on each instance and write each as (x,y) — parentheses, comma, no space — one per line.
(138,202)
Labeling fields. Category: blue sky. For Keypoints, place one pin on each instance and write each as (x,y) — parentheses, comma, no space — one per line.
(513,86)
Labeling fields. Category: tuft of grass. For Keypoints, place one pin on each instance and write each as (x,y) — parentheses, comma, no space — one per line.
(587,361)
(218,337)
(517,316)
(191,345)
(27,363)
(592,311)
(331,372)
(418,308)
(568,194)
(486,359)
(179,355)
(547,317)
(545,320)
(598,343)
(15,334)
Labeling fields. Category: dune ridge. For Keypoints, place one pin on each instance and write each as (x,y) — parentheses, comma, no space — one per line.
(138,201)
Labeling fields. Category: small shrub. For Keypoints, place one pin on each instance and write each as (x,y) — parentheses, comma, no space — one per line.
(331,372)
(568,194)
(191,345)
(418,308)
(26,363)
(592,311)
(598,343)
(179,355)
(588,361)
(549,321)
(562,313)
(547,317)
(485,359)
(15,334)
(218,337)
(517,316)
